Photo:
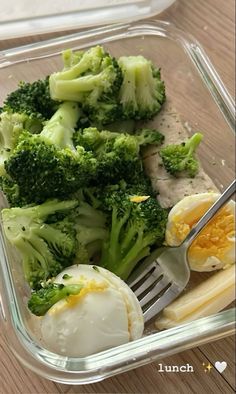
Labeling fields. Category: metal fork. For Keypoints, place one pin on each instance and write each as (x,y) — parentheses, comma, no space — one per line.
(165,273)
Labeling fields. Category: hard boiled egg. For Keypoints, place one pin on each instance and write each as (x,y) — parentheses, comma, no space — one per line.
(214,248)
(106,313)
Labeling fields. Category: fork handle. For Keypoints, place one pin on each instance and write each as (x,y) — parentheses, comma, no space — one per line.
(222,200)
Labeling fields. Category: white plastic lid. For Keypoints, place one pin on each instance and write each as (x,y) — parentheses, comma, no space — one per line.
(25,17)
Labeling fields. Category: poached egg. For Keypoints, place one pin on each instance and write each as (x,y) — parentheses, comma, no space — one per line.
(214,247)
(105,314)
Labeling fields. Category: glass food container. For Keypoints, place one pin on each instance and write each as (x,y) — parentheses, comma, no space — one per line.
(21,17)
(204,104)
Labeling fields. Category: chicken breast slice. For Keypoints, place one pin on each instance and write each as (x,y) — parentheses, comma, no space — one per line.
(171,190)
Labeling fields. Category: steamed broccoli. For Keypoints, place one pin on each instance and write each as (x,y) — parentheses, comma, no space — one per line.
(47,165)
(117,154)
(121,126)
(136,223)
(32,99)
(92,78)
(87,77)
(109,91)
(45,248)
(11,126)
(12,192)
(147,136)
(42,300)
(142,92)
(100,141)
(90,226)
(180,158)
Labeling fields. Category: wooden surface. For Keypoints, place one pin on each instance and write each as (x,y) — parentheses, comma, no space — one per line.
(212,23)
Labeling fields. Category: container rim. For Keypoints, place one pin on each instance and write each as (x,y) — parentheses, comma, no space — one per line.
(153,347)
(87,14)
(120,30)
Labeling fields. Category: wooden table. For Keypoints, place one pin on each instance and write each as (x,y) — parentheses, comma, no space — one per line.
(212,23)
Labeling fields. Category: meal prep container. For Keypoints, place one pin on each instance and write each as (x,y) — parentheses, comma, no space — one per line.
(21,17)
(201,99)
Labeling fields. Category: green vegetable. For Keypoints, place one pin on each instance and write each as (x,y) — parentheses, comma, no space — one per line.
(32,99)
(147,136)
(134,228)
(90,226)
(142,92)
(180,158)
(54,147)
(47,165)
(45,248)
(121,126)
(11,126)
(117,154)
(109,91)
(42,300)
(66,276)
(92,78)
(12,192)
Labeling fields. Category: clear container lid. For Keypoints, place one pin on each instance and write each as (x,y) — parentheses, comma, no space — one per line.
(24,17)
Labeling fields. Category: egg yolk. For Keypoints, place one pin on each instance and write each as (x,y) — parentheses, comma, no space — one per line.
(72,300)
(216,239)
(139,198)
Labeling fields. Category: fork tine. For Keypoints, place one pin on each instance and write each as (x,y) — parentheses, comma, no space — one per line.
(151,276)
(171,293)
(147,265)
(140,273)
(158,287)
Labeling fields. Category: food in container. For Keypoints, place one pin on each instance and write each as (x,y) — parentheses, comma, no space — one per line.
(178,80)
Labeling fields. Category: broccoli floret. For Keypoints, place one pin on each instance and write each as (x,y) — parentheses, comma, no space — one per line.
(180,158)
(88,216)
(142,92)
(86,78)
(104,111)
(136,223)
(45,248)
(34,100)
(60,127)
(92,78)
(90,226)
(117,154)
(149,137)
(140,185)
(42,300)
(98,141)
(47,165)
(97,196)
(122,126)
(12,192)
(71,58)
(11,126)
(90,241)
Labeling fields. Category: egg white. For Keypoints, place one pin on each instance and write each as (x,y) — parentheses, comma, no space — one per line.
(107,315)
(187,212)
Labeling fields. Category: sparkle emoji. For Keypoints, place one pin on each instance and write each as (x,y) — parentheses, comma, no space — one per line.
(207,368)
